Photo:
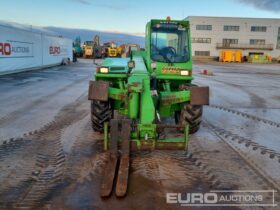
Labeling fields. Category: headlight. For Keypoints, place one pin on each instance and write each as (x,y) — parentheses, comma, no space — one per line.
(104,70)
(154,65)
(185,73)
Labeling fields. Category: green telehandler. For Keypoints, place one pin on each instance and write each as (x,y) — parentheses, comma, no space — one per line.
(131,97)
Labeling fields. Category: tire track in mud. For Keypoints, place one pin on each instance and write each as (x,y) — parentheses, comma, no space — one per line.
(173,170)
(264,150)
(179,171)
(16,173)
(86,158)
(227,168)
(44,160)
(19,112)
(248,116)
(85,161)
(247,142)
(227,138)
(12,146)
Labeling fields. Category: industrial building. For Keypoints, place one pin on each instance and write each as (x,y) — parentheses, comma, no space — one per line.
(211,35)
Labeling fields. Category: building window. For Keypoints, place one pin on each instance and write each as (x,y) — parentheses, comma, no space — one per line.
(278,40)
(228,42)
(258,28)
(257,41)
(201,40)
(202,53)
(204,27)
(231,28)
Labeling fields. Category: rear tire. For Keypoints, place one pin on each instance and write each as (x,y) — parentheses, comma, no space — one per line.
(189,114)
(101,111)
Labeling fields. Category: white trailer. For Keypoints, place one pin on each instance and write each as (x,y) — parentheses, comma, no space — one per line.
(23,50)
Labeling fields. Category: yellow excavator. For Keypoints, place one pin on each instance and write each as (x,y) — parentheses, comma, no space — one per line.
(109,49)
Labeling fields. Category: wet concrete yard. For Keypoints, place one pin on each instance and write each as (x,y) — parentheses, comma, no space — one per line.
(51,159)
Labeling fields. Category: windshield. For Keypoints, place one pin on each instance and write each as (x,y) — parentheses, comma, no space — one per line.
(169,43)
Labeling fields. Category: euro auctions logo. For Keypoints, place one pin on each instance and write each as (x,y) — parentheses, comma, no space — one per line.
(54,50)
(5,48)
(15,49)
(256,198)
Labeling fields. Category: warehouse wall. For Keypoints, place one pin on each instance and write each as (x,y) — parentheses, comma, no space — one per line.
(22,50)
(217,33)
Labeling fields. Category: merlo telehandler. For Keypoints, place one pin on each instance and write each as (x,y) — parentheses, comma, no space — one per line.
(131,97)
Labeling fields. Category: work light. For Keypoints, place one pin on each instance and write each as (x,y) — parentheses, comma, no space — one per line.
(104,70)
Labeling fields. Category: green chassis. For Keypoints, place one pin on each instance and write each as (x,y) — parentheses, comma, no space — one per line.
(129,92)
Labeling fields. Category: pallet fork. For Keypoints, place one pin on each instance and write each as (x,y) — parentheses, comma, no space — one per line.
(117,160)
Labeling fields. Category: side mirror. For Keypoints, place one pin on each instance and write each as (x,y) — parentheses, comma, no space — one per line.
(131,65)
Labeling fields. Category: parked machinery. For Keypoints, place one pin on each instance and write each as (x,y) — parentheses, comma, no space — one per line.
(109,49)
(97,49)
(77,48)
(88,49)
(120,50)
(128,48)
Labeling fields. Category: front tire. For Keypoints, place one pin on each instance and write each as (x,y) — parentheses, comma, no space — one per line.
(101,111)
(189,114)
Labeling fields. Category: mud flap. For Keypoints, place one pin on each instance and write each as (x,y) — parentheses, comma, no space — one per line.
(98,90)
(199,95)
(122,181)
(110,169)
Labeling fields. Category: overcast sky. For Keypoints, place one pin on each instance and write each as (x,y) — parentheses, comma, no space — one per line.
(129,16)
